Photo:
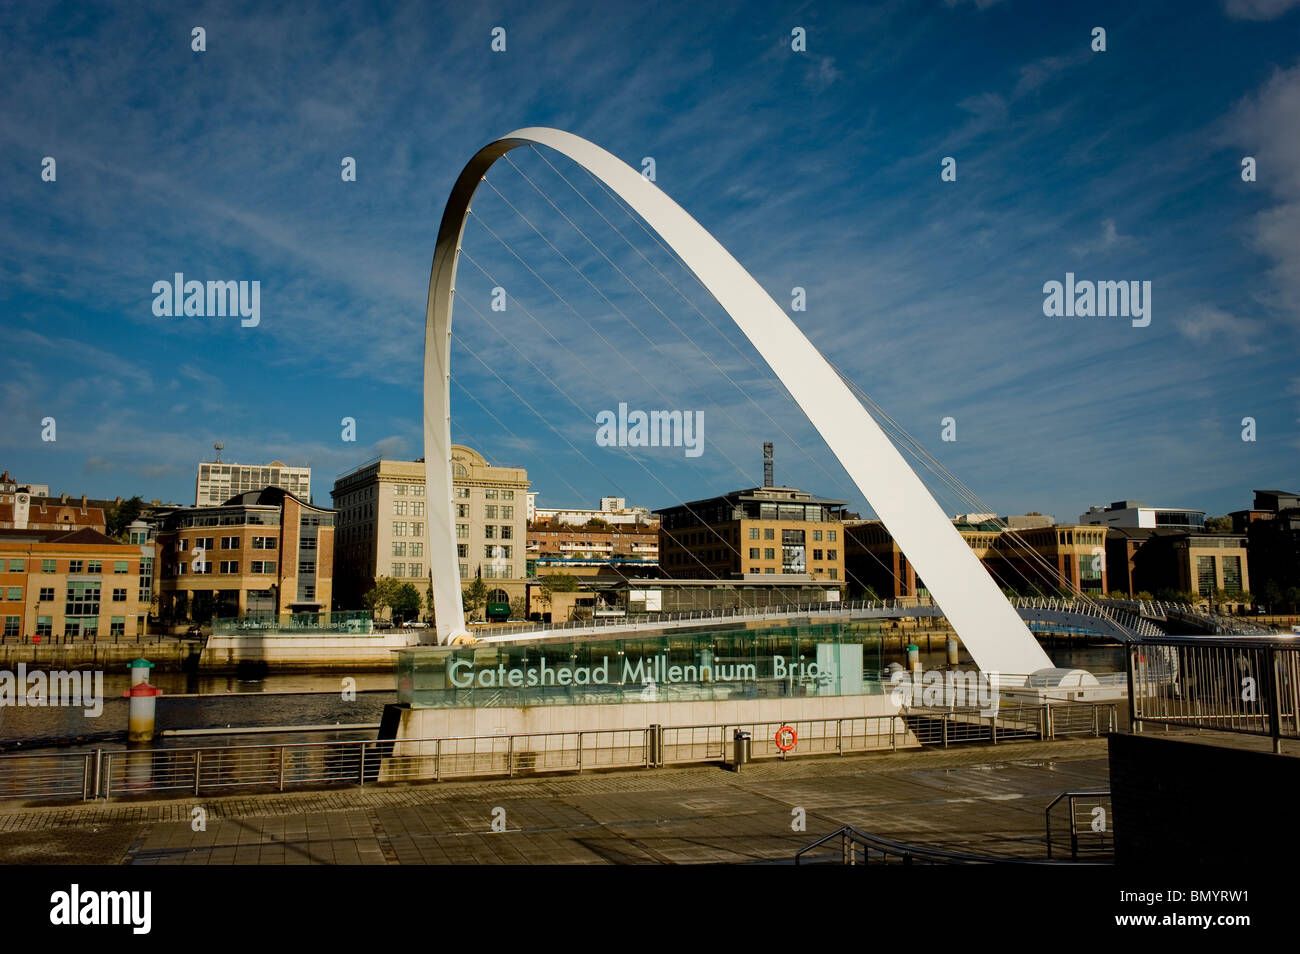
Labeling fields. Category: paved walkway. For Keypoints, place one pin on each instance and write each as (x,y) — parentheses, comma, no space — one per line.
(981,798)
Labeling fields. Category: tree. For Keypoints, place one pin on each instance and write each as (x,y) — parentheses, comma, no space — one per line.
(1218,525)
(382,594)
(518,608)
(406,602)
(474,596)
(428,600)
(120,516)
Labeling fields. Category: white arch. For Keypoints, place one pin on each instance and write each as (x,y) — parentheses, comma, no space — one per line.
(992,632)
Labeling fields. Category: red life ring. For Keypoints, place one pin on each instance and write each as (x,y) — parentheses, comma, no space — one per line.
(786,738)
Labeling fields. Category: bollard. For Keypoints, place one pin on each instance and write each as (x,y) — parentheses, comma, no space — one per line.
(140,717)
(139,670)
(952,651)
(914,657)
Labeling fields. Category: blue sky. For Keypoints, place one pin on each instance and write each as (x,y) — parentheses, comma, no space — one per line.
(818,169)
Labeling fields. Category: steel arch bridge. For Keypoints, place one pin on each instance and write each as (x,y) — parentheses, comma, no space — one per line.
(990,628)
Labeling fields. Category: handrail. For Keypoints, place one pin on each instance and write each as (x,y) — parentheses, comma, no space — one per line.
(908,854)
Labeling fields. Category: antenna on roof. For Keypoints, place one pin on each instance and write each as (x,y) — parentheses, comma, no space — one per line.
(218,447)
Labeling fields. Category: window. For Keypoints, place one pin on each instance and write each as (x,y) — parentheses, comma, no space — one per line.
(307,543)
(1232,574)
(490,511)
(13,624)
(462,493)
(769,553)
(117,626)
(74,566)
(14,593)
(832,554)
(417,529)
(399,569)
(817,535)
(1205,575)
(817,554)
(307,569)
(399,549)
(48,566)
(489,494)
(464,571)
(417,508)
(399,528)
(507,532)
(462,511)
(769,533)
(507,513)
(830,535)
(753,553)
(507,495)
(462,551)
(399,490)
(229,566)
(399,508)
(119,566)
(46,595)
(119,595)
(417,549)
(769,570)
(462,531)
(15,566)
(83,598)
(753,533)
(835,574)
(490,531)
(417,490)
(230,543)
(262,566)
(415,569)
(44,625)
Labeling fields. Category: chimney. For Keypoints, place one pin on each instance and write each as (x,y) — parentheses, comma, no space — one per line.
(63,498)
(83,503)
(767,464)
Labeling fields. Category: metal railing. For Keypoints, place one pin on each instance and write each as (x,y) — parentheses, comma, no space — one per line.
(1089,824)
(850,846)
(215,770)
(1242,684)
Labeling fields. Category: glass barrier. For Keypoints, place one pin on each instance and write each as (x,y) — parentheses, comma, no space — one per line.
(840,659)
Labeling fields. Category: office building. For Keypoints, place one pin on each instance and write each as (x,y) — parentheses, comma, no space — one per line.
(263,551)
(613,511)
(1134,514)
(1036,557)
(217,482)
(77,584)
(383,525)
(763,531)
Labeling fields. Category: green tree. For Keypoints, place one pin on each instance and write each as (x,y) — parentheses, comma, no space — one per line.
(1218,525)
(382,594)
(428,600)
(120,516)
(474,596)
(406,602)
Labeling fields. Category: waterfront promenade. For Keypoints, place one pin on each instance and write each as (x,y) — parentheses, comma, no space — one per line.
(980,798)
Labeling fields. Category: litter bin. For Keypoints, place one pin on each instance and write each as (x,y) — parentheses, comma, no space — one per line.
(741,742)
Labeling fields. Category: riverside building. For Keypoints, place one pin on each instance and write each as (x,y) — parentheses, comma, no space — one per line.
(383,519)
(264,552)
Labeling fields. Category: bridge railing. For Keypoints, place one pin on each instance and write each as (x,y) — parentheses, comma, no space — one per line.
(1238,684)
(219,770)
